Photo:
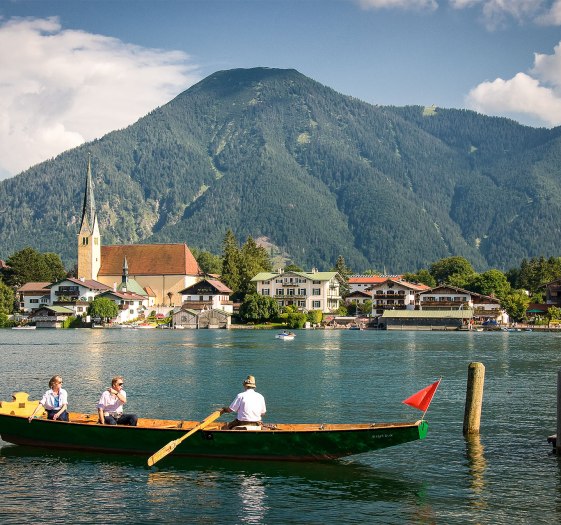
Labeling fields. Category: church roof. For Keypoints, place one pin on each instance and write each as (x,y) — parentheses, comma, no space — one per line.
(132,286)
(148,259)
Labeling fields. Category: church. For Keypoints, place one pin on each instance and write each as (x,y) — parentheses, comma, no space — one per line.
(160,270)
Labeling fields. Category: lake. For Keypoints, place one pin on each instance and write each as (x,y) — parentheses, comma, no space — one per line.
(506,475)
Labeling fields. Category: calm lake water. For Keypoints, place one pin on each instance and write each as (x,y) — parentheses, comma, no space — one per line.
(507,475)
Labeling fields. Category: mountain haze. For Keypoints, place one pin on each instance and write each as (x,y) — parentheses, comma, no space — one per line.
(269,152)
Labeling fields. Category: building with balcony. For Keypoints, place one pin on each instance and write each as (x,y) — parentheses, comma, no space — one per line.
(553,293)
(70,290)
(395,294)
(362,283)
(207,294)
(445,297)
(305,290)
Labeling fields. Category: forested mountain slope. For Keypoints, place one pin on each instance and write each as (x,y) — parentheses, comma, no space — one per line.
(268,152)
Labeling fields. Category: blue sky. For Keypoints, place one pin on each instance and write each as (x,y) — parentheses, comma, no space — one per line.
(74,70)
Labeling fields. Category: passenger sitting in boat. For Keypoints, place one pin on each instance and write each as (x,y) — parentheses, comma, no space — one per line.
(55,401)
(249,405)
(110,406)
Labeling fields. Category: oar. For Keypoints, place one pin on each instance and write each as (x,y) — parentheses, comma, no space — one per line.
(170,447)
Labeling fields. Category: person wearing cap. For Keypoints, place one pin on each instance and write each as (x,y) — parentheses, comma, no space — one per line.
(110,405)
(249,405)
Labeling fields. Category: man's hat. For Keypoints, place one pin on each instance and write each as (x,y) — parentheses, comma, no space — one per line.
(249,382)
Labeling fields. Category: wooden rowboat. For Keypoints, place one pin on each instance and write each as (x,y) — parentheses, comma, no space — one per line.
(298,442)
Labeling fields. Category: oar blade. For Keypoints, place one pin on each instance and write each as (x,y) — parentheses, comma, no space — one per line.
(163,452)
(170,447)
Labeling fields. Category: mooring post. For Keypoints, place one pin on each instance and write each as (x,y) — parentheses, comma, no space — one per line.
(558,439)
(474,398)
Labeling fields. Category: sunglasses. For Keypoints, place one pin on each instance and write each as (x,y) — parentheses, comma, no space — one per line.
(120,384)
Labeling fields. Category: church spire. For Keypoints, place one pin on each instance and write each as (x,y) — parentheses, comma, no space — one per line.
(89,215)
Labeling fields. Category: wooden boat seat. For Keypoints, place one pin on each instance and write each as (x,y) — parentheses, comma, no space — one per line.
(252,428)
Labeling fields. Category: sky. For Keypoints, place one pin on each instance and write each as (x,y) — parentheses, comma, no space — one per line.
(73,70)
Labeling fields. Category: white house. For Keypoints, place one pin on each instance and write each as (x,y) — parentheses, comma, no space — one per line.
(131,305)
(33,295)
(71,289)
(395,294)
(306,290)
(207,294)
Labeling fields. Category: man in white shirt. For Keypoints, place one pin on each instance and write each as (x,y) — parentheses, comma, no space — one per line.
(110,406)
(249,405)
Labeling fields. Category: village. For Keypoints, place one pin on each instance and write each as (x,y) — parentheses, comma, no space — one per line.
(163,285)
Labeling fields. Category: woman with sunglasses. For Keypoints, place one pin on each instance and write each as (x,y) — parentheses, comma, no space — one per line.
(54,401)
(110,406)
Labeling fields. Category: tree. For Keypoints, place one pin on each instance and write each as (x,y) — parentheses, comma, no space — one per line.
(253,260)
(422,276)
(553,314)
(293,268)
(231,262)
(7,299)
(208,262)
(258,308)
(455,271)
(315,316)
(103,308)
(345,272)
(536,272)
(491,282)
(515,304)
(26,266)
(55,266)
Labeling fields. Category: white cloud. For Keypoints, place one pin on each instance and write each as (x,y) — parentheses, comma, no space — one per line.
(60,88)
(398,4)
(553,16)
(536,94)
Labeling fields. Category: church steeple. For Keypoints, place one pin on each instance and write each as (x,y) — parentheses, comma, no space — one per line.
(89,240)
(125,276)
(89,215)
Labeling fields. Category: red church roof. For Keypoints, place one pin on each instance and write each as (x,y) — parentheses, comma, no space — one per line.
(148,259)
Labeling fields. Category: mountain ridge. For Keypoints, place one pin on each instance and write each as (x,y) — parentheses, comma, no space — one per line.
(271,153)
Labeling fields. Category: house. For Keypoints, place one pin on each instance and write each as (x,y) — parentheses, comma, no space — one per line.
(424,319)
(361,283)
(208,294)
(445,297)
(51,316)
(131,305)
(395,294)
(553,293)
(164,269)
(184,317)
(71,289)
(306,290)
(31,296)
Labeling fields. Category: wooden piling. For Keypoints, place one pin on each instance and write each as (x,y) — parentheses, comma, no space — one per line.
(474,398)
(558,437)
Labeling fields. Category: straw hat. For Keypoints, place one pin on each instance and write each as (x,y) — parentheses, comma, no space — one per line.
(249,382)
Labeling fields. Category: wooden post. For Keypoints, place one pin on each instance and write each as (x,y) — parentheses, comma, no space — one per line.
(558,439)
(474,398)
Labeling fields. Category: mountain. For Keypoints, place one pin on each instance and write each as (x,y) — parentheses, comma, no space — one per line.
(271,153)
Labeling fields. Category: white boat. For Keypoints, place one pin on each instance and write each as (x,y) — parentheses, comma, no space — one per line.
(24,327)
(286,336)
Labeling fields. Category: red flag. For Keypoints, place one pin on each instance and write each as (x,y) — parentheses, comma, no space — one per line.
(422,398)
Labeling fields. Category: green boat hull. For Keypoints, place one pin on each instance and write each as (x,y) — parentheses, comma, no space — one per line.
(281,442)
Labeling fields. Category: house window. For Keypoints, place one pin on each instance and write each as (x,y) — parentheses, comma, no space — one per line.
(302,291)
(315,282)
(316,291)
(281,303)
(316,304)
(266,291)
(290,291)
(301,304)
(33,300)
(280,291)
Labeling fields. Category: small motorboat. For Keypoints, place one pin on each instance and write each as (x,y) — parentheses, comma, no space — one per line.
(286,336)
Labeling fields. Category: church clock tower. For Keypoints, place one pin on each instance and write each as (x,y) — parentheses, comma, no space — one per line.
(89,240)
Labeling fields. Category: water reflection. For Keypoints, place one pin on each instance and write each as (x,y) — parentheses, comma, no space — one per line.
(477,467)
